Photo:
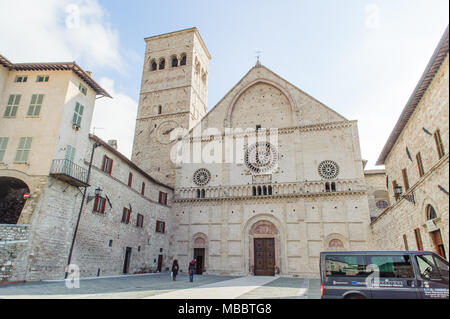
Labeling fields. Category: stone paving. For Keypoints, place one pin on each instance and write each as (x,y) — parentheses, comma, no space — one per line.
(161,286)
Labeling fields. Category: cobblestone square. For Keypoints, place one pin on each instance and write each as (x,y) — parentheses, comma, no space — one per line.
(161,286)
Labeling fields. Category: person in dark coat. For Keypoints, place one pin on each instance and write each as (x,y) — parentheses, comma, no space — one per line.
(192,267)
(175,269)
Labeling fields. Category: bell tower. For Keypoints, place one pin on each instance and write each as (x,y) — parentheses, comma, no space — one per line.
(174,94)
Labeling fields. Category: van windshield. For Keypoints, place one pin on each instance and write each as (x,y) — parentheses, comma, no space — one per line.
(345,266)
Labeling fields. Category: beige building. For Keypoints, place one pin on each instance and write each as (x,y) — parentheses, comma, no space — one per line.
(275,203)
(45,152)
(416,161)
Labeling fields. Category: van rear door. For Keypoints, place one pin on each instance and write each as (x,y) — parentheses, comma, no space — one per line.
(433,271)
(392,277)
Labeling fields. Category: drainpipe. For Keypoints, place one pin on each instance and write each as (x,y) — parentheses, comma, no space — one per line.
(81,207)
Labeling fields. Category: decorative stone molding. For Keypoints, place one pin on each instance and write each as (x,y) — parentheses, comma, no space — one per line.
(284,190)
(263,227)
(280,131)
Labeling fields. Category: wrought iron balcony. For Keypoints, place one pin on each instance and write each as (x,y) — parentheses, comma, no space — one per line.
(69,172)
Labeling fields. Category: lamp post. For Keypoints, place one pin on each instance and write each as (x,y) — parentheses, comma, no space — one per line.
(398,191)
(81,206)
(97,193)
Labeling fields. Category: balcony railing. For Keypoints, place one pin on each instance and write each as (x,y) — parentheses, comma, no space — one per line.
(69,172)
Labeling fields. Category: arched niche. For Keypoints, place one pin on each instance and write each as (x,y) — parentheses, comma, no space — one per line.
(289,100)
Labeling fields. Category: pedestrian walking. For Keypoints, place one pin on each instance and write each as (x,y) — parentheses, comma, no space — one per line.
(192,267)
(175,270)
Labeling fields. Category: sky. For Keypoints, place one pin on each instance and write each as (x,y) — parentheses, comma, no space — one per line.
(362,58)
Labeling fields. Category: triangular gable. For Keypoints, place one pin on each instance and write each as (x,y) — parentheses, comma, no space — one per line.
(309,111)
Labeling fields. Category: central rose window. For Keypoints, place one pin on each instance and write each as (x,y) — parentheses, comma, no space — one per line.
(261,158)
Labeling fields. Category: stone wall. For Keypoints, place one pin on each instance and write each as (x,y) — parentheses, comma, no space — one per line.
(13,252)
(376,191)
(403,217)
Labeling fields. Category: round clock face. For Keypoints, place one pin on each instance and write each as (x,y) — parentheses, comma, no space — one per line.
(165,134)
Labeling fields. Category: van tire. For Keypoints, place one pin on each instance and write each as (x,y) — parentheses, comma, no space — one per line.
(354,296)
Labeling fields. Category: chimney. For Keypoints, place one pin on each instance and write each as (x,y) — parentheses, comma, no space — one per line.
(113,143)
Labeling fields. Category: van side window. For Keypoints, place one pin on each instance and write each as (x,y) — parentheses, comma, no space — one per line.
(345,266)
(393,266)
(442,267)
(427,267)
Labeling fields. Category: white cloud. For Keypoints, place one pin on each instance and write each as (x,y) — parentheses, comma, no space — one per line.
(58,30)
(115,118)
(72,30)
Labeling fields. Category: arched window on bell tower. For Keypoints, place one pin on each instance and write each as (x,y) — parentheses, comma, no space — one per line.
(183,59)
(174,61)
(162,64)
(153,65)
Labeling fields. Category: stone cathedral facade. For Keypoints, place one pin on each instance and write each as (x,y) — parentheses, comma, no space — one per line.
(264,182)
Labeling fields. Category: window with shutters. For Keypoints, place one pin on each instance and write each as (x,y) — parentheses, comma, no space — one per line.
(162,198)
(130,179)
(126,215)
(99,205)
(418,239)
(35,105)
(405,242)
(160,226)
(42,78)
(82,89)
(420,164)
(12,106)
(23,150)
(405,179)
(439,145)
(107,165)
(140,220)
(3,145)
(21,79)
(77,114)
(143,188)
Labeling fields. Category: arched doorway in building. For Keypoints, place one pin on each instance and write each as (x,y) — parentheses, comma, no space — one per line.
(200,252)
(436,236)
(264,249)
(12,201)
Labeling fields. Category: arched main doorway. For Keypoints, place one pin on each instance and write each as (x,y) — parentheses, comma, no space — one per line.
(200,252)
(436,236)
(11,199)
(264,249)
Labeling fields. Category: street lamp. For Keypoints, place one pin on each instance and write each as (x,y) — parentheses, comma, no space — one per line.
(97,192)
(398,191)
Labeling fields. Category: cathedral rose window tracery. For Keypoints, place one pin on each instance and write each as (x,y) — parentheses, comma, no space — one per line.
(202,176)
(261,157)
(328,169)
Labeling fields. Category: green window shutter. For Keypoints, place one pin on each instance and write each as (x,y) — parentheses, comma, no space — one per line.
(70,153)
(3,144)
(77,114)
(7,110)
(23,149)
